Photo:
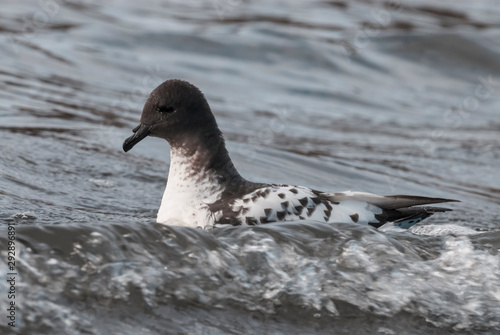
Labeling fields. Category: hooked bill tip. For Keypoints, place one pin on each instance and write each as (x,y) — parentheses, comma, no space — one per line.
(140,132)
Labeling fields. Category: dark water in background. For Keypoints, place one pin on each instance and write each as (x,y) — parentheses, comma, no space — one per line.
(381,97)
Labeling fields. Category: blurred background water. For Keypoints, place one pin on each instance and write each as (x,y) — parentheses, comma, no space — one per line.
(389,97)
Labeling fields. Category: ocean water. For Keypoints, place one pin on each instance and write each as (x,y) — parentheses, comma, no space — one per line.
(398,97)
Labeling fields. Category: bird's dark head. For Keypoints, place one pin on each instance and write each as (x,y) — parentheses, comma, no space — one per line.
(176,111)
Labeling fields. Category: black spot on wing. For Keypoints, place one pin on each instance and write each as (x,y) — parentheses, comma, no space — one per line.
(246,200)
(263,193)
(304,201)
(264,219)
(354,217)
(310,211)
(281,195)
(316,200)
(294,190)
(301,217)
(284,205)
(297,210)
(281,215)
(268,211)
(325,199)
(328,210)
(251,221)
(267,218)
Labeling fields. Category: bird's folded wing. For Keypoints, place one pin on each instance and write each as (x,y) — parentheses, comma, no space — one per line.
(384,201)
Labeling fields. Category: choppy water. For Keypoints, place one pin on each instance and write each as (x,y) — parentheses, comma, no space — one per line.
(398,97)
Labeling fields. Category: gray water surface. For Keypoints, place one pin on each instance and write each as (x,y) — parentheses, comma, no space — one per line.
(388,98)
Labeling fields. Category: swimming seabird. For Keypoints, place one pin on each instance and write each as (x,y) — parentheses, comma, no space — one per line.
(205,190)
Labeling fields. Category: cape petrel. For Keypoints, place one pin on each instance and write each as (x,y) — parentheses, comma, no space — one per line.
(204,189)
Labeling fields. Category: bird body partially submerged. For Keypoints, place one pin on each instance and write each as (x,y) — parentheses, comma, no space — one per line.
(204,189)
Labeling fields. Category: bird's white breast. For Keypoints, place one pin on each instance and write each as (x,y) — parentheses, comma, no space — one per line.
(187,194)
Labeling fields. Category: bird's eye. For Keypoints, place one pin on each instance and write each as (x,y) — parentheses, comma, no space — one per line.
(165,109)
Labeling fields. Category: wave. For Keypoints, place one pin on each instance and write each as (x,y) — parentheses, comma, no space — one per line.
(315,270)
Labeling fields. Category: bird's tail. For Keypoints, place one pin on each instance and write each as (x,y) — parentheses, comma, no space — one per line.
(407,217)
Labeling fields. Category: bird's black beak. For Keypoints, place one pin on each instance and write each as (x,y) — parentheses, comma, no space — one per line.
(140,132)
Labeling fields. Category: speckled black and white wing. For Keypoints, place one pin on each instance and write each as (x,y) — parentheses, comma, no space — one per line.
(275,203)
(280,203)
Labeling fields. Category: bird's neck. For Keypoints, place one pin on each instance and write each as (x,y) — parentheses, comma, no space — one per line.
(200,166)
(201,174)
